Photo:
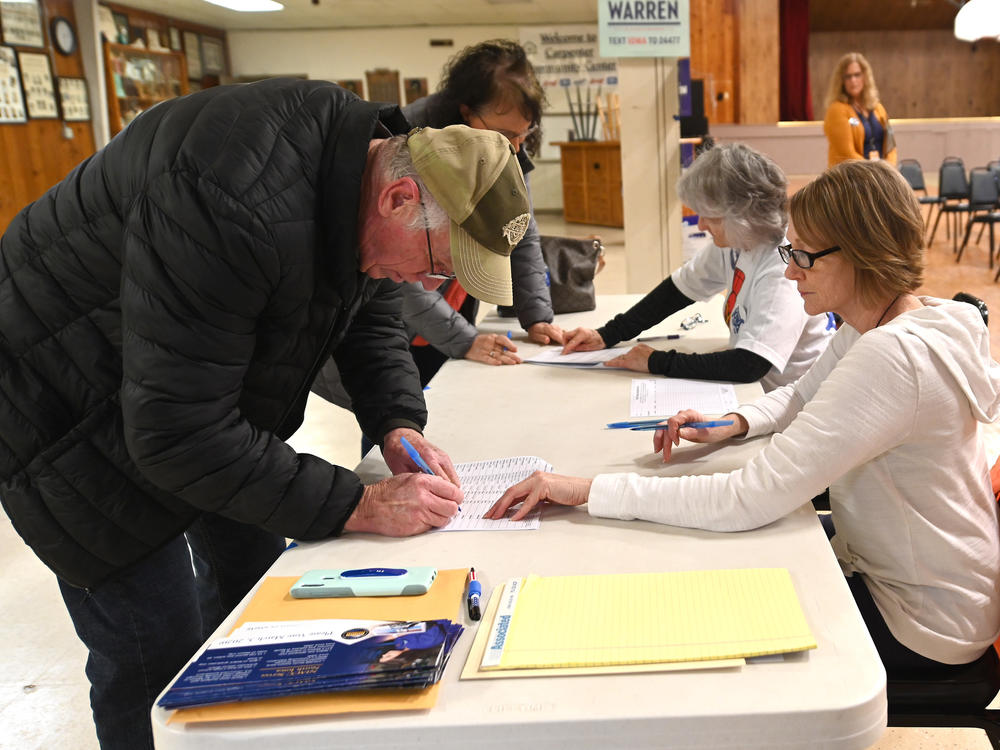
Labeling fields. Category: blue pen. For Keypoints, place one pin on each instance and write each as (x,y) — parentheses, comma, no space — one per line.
(475,591)
(417,459)
(511,337)
(634,423)
(669,336)
(696,425)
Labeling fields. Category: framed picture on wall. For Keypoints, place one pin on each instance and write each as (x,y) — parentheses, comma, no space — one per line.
(383,85)
(73,99)
(192,51)
(354,85)
(22,23)
(414,88)
(11,97)
(213,55)
(39,89)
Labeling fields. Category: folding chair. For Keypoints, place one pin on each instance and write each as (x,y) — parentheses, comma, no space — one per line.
(914,175)
(953,189)
(984,192)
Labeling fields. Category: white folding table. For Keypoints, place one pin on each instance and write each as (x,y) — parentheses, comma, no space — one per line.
(829,697)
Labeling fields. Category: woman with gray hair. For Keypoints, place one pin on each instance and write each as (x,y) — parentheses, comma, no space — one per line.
(741,198)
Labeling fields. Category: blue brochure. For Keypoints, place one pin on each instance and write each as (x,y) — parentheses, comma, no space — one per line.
(270,659)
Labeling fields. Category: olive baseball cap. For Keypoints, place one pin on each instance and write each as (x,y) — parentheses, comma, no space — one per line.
(474,176)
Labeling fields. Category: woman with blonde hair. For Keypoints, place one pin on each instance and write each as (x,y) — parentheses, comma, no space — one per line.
(856,124)
(888,418)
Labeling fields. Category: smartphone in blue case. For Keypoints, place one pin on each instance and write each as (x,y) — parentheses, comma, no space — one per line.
(317,584)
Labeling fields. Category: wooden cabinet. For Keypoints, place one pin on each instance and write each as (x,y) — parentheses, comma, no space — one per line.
(139,78)
(592,182)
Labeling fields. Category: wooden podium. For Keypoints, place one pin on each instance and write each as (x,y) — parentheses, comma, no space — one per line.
(592,182)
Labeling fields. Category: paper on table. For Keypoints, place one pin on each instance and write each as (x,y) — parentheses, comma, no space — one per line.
(483,482)
(273,602)
(636,618)
(664,397)
(471,670)
(552,356)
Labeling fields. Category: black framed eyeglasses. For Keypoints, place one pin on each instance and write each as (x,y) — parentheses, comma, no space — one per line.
(803,258)
(427,231)
(509,134)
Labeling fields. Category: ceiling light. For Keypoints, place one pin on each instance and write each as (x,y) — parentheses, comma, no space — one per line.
(978,19)
(248,6)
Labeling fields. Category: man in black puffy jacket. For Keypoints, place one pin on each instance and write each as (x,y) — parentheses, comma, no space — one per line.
(163,311)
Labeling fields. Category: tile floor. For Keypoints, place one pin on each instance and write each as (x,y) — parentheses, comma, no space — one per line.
(43,691)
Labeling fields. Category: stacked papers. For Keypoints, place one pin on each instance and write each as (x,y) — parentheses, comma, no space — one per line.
(272,659)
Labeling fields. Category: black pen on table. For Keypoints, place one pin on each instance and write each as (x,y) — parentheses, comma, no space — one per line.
(669,336)
(475,590)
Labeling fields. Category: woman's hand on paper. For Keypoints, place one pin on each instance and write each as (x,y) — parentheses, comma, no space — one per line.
(405,505)
(493,349)
(554,488)
(636,358)
(546,333)
(582,340)
(399,461)
(664,440)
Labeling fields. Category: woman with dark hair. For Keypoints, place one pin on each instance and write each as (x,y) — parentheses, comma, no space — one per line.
(488,86)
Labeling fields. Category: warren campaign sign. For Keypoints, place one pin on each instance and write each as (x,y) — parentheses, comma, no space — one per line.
(644,28)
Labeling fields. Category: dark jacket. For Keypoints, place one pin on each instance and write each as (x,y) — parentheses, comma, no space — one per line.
(164,310)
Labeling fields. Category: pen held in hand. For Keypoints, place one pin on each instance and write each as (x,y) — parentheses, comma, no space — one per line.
(628,424)
(695,425)
(417,458)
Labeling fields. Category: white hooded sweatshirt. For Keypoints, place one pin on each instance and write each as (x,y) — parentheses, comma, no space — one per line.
(889,422)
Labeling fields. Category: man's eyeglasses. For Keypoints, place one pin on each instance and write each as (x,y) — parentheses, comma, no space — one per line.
(433,274)
(508,134)
(802,258)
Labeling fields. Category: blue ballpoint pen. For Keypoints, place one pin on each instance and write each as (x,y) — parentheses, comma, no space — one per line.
(417,458)
(696,425)
(628,424)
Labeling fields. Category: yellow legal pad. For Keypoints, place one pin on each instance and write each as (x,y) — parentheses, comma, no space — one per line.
(641,618)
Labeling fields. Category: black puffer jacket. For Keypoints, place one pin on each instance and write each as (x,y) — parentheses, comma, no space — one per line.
(163,311)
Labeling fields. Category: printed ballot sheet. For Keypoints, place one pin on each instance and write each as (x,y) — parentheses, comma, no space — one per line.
(641,618)
(552,356)
(483,482)
(664,397)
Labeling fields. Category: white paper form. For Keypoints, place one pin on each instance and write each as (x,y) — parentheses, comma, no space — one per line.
(664,397)
(483,482)
(551,356)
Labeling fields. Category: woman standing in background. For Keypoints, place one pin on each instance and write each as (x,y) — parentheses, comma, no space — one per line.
(856,124)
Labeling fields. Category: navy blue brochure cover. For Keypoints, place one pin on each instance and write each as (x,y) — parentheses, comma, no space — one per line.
(267,660)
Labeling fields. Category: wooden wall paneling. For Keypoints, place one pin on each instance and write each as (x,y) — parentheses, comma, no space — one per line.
(758,44)
(36,155)
(920,73)
(865,15)
(713,56)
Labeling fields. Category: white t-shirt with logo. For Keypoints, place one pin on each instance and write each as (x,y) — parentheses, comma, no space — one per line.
(766,316)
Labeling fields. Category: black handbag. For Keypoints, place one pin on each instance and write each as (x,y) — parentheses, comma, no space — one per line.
(572,264)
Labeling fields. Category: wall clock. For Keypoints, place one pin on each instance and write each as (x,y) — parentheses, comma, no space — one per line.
(63,35)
